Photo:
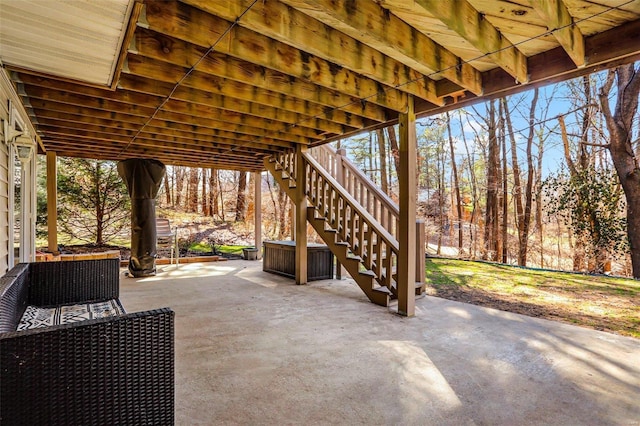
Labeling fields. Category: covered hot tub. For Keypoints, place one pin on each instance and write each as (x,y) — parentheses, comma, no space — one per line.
(280,258)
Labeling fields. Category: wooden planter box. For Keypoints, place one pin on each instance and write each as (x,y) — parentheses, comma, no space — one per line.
(280,258)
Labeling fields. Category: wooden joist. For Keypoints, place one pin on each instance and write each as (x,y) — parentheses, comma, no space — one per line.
(226,83)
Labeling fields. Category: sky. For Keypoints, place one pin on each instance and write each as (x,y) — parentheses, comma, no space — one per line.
(553,101)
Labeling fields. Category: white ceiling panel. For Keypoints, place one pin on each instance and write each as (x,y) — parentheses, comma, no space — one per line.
(77,39)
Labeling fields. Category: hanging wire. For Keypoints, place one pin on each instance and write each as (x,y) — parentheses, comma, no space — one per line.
(362,100)
(187,74)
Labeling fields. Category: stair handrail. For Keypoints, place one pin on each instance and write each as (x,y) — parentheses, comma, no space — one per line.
(364,190)
(370,196)
(358,227)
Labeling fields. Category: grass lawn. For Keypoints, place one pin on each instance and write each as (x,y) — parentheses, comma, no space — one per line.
(599,302)
(224,249)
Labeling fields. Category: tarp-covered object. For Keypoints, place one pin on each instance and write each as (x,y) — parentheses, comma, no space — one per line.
(143,178)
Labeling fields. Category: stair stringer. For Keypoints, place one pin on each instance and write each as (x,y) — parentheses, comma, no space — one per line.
(365,278)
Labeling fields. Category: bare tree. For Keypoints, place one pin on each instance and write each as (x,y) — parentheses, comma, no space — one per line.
(192,190)
(179,181)
(213,192)
(621,146)
(474,192)
(241,201)
(393,142)
(504,196)
(167,189)
(491,224)
(523,202)
(206,207)
(456,183)
(382,148)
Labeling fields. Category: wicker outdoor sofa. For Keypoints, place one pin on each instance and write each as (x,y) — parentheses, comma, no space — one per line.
(114,370)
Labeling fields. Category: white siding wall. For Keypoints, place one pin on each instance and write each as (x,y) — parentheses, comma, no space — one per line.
(8,96)
(4,179)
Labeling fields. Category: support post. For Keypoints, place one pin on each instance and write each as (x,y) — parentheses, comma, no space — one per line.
(407,227)
(301,217)
(340,153)
(420,257)
(257,216)
(292,216)
(52,205)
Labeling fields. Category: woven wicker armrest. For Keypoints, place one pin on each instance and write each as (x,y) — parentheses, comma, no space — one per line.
(14,290)
(76,281)
(109,371)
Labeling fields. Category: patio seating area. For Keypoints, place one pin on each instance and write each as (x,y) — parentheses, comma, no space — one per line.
(254,348)
(76,356)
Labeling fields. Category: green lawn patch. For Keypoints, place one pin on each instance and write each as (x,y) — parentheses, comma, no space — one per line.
(600,302)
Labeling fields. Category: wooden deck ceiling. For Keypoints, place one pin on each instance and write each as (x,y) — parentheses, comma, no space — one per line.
(225,83)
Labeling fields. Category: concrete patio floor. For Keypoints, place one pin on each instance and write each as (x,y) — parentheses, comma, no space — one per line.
(253,348)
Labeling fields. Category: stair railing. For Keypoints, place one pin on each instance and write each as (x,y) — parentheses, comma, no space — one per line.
(370,196)
(367,239)
(377,248)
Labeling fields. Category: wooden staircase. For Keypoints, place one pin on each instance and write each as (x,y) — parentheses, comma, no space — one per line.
(360,243)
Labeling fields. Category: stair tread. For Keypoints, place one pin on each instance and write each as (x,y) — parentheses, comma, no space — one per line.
(382,289)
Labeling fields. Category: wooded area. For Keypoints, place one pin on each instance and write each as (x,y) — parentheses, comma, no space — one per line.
(532,179)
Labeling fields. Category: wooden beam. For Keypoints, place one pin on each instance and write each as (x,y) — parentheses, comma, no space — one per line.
(53,118)
(609,49)
(166,119)
(52,205)
(273,19)
(407,204)
(301,218)
(287,109)
(158,46)
(191,113)
(366,21)
(126,40)
(464,19)
(560,23)
(195,26)
(158,141)
(145,106)
(79,148)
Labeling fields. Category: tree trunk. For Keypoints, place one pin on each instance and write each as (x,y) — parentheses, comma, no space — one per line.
(441,185)
(474,196)
(491,212)
(192,190)
(456,183)
(523,212)
(539,224)
(282,214)
(620,126)
(213,192)
(504,198)
(372,169)
(99,205)
(393,142)
(241,200)
(206,207)
(382,148)
(180,174)
(221,196)
(167,189)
